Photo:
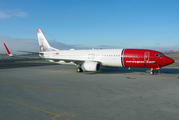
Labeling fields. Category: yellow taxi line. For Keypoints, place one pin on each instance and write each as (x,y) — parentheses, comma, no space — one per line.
(56,115)
(29,85)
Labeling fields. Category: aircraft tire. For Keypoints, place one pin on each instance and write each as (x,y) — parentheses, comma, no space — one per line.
(79,70)
(151,72)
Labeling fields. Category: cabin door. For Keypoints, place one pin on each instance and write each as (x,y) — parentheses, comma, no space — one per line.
(146,56)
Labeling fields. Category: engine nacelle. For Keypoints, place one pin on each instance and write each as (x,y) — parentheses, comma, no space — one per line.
(91,66)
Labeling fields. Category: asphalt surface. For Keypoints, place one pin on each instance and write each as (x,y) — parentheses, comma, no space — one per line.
(38,90)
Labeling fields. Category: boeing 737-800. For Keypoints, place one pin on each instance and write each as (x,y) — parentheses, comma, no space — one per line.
(93,60)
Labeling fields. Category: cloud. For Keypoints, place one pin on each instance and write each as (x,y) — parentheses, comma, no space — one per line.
(161,48)
(18,13)
(4,15)
(109,47)
(11,13)
(15,44)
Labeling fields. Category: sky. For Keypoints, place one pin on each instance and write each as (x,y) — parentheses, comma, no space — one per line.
(86,24)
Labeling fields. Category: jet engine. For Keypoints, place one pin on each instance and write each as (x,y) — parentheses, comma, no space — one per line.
(91,66)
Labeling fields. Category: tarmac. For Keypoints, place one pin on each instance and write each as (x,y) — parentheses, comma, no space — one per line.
(39,90)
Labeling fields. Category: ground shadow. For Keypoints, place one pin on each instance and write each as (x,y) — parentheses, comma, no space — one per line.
(166,70)
(19,63)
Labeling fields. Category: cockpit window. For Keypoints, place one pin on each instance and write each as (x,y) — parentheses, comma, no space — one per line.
(159,55)
(162,55)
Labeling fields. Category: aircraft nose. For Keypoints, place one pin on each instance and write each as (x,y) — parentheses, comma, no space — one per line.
(170,60)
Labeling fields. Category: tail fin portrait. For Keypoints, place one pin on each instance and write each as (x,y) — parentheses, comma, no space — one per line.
(44,45)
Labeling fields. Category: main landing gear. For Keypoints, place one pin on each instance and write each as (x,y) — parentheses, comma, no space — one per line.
(79,70)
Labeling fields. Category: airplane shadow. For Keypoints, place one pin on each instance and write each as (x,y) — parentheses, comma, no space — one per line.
(19,63)
(141,71)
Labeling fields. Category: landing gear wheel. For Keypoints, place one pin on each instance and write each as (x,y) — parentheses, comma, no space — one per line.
(151,72)
(79,70)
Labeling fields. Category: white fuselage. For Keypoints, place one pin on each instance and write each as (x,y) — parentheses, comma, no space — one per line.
(107,57)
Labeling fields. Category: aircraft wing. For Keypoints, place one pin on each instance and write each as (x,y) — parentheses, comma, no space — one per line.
(21,56)
(72,60)
(76,61)
(66,60)
(31,52)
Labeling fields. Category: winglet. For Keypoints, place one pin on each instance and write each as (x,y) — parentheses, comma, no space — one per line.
(9,53)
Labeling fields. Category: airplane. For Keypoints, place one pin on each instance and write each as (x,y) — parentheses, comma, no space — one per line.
(95,59)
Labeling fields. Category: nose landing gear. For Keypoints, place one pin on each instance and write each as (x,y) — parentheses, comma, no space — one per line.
(151,72)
